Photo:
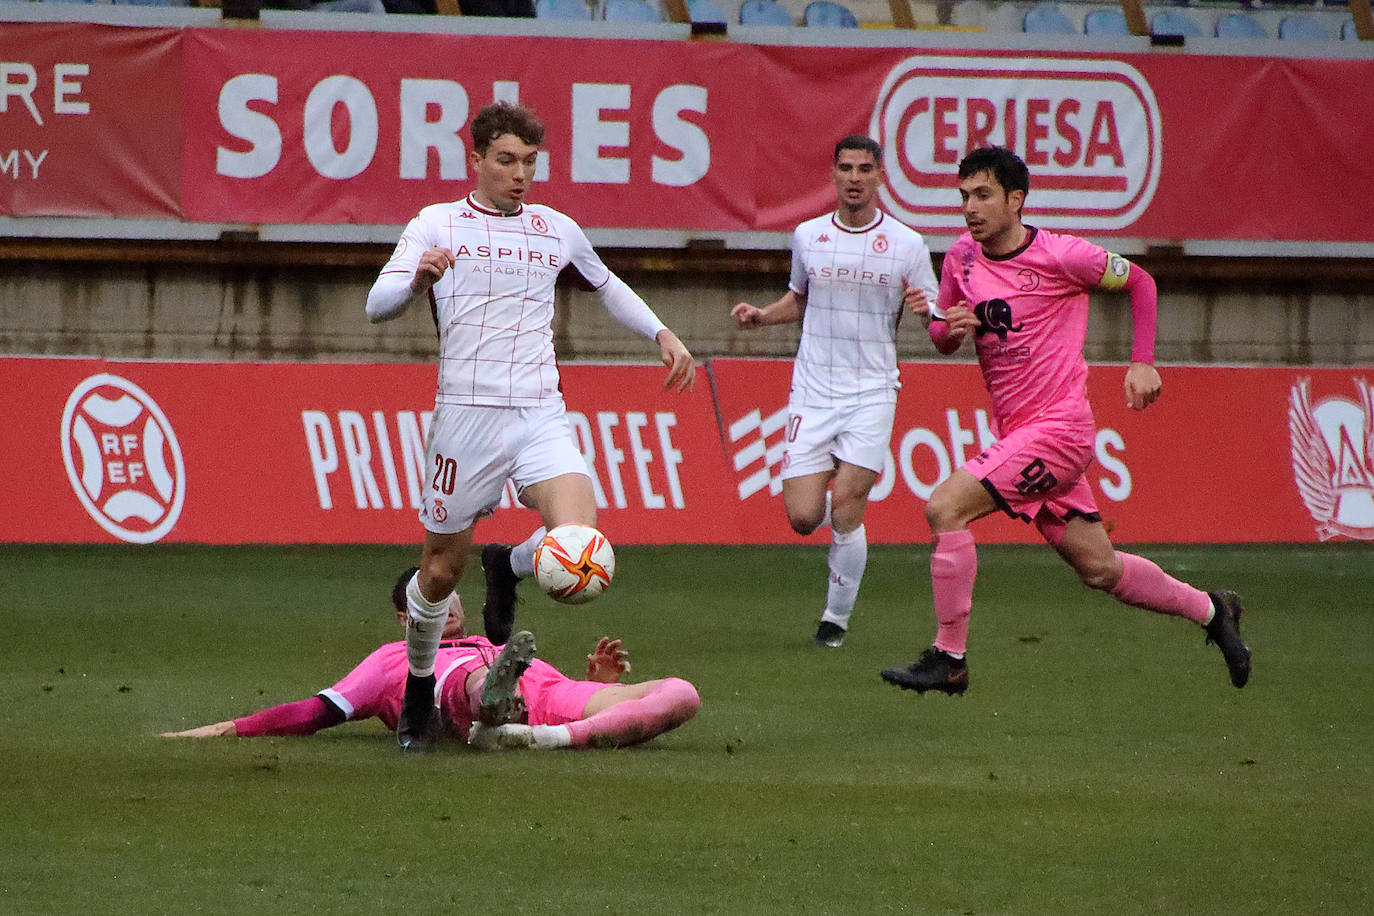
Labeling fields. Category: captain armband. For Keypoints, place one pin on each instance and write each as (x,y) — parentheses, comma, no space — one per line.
(1117,272)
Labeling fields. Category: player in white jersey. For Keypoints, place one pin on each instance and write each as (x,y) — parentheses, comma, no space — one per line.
(487,265)
(852,272)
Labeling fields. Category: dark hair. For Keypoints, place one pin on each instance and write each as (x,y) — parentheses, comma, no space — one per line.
(504,118)
(398,591)
(1004,165)
(862,143)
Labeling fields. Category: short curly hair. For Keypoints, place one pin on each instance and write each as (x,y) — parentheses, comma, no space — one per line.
(504,118)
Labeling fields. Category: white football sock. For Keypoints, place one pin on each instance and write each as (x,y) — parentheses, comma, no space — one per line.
(522,555)
(548,737)
(848,558)
(424,627)
(825,517)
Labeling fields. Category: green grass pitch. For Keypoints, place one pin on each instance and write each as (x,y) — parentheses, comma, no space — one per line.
(1100,763)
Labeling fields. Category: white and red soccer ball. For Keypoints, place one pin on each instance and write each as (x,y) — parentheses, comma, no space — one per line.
(574,563)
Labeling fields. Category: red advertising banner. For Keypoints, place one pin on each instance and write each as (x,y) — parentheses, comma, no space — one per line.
(1225,455)
(369,128)
(90,120)
(356,127)
(229,453)
(220,453)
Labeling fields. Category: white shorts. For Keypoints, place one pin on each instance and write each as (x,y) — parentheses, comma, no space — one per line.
(818,437)
(472,450)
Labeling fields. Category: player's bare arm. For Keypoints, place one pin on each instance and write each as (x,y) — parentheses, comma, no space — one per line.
(786,310)
(433,263)
(225,729)
(681,367)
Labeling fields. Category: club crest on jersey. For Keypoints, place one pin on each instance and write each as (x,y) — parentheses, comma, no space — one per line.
(123,459)
(880,244)
(1333,459)
(539,224)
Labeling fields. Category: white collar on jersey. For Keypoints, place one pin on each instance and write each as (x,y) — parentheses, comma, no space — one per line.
(835,218)
(472,202)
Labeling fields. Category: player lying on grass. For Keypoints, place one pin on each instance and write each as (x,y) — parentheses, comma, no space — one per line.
(492,697)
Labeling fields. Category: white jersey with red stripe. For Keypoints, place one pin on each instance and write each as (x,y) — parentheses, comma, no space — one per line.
(852,281)
(494,307)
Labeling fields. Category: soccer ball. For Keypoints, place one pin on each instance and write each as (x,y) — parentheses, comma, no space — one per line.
(574,563)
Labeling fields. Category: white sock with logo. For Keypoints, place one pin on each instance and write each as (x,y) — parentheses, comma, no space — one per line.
(522,555)
(848,558)
(424,627)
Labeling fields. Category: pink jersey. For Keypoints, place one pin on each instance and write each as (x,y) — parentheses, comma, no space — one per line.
(377,685)
(1032,307)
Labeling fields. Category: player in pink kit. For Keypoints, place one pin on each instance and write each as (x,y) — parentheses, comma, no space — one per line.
(479,683)
(486,267)
(1022,293)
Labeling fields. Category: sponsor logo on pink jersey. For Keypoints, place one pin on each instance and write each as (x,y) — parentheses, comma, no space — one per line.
(1333,459)
(1089,130)
(122,458)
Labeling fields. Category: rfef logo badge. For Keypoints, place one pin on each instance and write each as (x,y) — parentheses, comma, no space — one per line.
(122,459)
(1333,459)
(1089,131)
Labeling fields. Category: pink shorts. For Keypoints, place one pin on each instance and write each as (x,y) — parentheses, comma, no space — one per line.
(1035,473)
(553,698)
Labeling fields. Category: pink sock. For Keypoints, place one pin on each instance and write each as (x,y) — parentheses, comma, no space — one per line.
(953,567)
(665,707)
(1145,585)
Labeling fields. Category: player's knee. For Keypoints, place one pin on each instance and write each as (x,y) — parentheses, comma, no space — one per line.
(685,699)
(939,513)
(804,521)
(1099,574)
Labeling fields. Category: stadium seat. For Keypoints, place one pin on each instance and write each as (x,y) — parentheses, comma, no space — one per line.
(706,11)
(826,14)
(764,12)
(1046,19)
(1239,25)
(1348,32)
(1302,28)
(574,10)
(1105,22)
(630,11)
(1172,22)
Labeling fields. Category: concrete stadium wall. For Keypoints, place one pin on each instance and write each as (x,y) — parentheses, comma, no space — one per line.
(1223,312)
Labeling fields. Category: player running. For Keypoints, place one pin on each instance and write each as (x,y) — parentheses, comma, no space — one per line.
(487,264)
(1022,294)
(480,689)
(852,271)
